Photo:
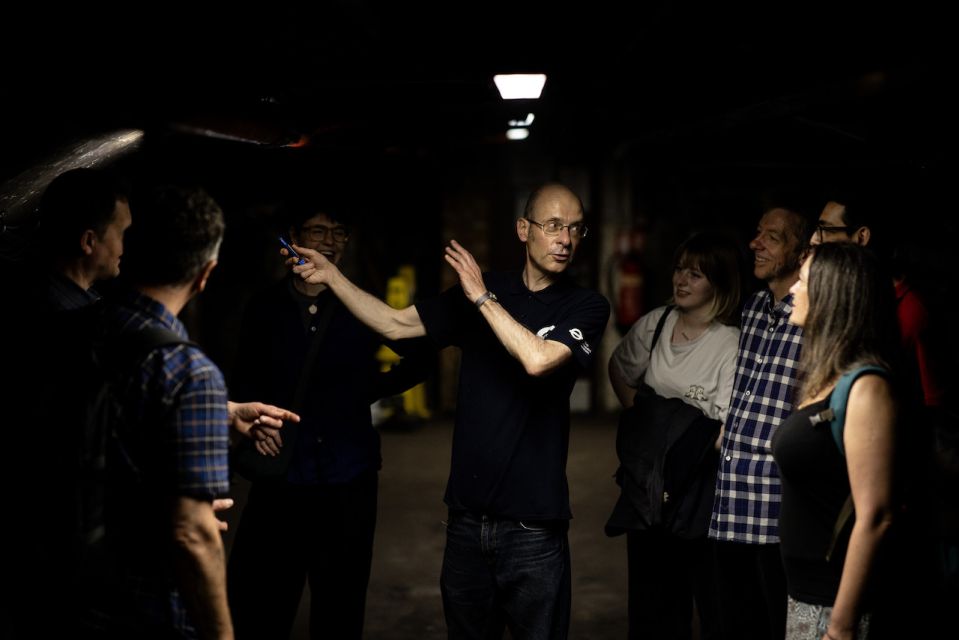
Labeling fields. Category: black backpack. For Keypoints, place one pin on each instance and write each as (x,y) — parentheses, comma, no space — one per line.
(103,364)
(65,376)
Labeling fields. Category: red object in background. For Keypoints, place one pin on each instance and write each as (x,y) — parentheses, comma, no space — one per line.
(629,280)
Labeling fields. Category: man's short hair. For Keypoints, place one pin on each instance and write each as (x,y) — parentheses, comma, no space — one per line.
(865,205)
(175,232)
(803,210)
(77,201)
(300,208)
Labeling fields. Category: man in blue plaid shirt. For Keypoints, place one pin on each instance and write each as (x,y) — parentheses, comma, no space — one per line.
(752,586)
(167,539)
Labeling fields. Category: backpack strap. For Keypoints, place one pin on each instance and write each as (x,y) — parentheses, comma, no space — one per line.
(128,348)
(836,415)
(840,397)
(145,341)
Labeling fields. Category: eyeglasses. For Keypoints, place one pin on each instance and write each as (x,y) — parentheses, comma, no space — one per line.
(823,229)
(319,232)
(577,230)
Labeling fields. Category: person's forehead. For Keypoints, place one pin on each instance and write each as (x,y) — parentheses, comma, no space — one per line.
(121,212)
(320,218)
(775,220)
(778,220)
(558,203)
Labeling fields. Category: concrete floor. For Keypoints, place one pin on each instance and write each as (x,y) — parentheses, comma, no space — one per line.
(404,598)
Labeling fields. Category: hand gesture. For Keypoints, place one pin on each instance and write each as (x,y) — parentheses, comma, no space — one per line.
(262,422)
(471,277)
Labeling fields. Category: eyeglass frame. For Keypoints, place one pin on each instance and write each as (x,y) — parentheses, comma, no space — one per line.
(324,230)
(825,228)
(579,235)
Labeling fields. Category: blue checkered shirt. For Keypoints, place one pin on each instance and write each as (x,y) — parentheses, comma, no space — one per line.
(187,449)
(746,506)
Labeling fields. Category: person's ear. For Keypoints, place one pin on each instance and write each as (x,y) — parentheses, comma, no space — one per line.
(522,229)
(862,235)
(88,242)
(200,283)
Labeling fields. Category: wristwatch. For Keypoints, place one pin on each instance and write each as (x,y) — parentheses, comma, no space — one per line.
(489,295)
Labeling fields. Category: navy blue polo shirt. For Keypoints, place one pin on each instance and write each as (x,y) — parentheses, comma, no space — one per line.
(511,437)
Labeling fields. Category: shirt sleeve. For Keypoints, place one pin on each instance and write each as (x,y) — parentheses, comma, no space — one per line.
(631,355)
(200,430)
(445,316)
(727,374)
(583,328)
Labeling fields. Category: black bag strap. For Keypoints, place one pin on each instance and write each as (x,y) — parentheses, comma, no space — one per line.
(836,415)
(123,350)
(659,327)
(145,341)
(844,515)
(643,388)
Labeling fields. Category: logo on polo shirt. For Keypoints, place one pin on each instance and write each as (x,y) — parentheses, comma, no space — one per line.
(542,333)
(578,335)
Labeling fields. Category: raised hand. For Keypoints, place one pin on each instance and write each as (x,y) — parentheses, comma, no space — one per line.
(471,276)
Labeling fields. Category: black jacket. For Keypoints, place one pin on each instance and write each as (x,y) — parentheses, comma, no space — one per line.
(667,470)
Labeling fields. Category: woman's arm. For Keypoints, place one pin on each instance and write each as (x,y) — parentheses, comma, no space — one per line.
(869,439)
(624,391)
(629,359)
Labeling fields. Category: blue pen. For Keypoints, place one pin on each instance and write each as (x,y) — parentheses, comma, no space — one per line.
(294,254)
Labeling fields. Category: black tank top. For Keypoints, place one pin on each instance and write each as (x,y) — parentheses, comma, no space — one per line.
(815,484)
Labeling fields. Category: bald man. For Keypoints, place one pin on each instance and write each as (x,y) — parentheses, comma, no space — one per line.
(525,337)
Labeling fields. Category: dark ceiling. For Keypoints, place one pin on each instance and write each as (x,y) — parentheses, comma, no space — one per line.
(723,83)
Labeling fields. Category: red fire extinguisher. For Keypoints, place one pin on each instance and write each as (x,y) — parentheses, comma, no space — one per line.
(628,280)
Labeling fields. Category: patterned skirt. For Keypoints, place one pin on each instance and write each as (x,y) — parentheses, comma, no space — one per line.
(810,621)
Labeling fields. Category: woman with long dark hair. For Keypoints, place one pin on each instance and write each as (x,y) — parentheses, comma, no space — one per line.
(844,303)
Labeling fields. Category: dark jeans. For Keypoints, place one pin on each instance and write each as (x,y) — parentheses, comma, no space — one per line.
(752,590)
(289,533)
(666,575)
(504,573)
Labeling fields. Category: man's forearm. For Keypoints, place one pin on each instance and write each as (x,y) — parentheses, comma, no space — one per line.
(393,324)
(538,356)
(200,567)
